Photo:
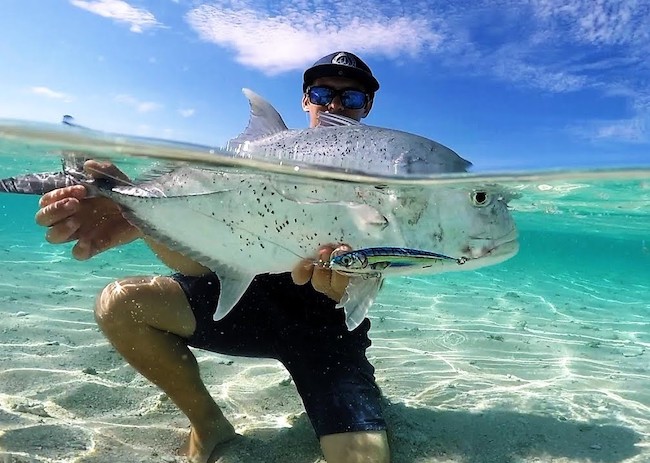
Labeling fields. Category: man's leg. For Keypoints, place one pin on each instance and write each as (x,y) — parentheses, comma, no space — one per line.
(356,447)
(146,319)
(336,382)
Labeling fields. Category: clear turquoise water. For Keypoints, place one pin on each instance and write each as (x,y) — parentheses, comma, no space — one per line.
(545,357)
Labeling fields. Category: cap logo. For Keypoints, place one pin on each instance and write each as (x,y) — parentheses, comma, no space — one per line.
(344,60)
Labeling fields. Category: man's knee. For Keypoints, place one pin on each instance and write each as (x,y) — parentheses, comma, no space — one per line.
(356,447)
(134,303)
(118,303)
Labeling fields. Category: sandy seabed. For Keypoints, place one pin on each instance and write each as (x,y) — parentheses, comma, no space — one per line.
(517,369)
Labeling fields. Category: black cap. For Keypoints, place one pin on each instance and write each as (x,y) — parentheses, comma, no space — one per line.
(341,64)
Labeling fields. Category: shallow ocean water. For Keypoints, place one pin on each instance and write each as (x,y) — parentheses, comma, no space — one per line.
(543,358)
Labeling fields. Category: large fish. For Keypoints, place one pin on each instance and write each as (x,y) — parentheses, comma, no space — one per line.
(244,223)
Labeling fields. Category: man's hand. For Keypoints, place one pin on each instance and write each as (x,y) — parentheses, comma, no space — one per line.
(324,280)
(96,224)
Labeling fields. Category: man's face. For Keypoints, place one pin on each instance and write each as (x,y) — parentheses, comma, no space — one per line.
(335,107)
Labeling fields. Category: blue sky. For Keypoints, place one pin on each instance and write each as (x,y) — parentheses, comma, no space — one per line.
(507,84)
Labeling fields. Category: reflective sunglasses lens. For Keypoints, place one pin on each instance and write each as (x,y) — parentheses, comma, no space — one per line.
(321,96)
(353,99)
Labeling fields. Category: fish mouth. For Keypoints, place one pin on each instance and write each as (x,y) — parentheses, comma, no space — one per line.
(500,249)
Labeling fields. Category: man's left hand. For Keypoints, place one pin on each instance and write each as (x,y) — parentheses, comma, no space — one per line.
(324,280)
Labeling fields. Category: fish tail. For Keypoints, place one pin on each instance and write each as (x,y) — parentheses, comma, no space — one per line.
(36,184)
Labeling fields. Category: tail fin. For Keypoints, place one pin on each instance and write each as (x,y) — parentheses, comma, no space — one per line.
(44,182)
(36,184)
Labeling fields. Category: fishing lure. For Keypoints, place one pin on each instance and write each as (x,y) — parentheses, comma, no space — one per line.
(386,260)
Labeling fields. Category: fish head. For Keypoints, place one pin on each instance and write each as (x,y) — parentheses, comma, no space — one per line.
(473,224)
(490,235)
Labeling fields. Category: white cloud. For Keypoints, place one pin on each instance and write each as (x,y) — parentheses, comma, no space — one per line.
(292,38)
(138,19)
(49,93)
(610,42)
(294,34)
(186,112)
(632,130)
(533,75)
(556,46)
(140,106)
(605,22)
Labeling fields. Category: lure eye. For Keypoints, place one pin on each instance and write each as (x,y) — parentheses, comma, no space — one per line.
(353,261)
(480,198)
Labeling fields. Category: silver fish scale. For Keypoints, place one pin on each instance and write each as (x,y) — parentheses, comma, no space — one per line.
(261,223)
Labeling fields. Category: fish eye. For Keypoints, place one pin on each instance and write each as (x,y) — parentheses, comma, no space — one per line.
(480,198)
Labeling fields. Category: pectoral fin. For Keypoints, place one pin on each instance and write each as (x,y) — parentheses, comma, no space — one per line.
(233,286)
(358,297)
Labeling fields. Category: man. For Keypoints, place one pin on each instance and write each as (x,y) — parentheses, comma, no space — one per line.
(151,321)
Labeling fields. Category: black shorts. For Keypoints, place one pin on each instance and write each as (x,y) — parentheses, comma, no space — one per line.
(301,328)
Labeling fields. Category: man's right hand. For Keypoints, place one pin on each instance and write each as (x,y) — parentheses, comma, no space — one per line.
(95,223)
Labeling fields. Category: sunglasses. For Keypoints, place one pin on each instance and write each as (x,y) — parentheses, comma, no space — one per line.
(350,98)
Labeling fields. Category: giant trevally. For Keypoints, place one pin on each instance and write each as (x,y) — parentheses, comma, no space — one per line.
(248,222)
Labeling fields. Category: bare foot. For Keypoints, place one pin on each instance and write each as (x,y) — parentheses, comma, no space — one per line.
(202,442)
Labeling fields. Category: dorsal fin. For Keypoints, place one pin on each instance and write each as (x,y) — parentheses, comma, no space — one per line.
(264,121)
(335,120)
